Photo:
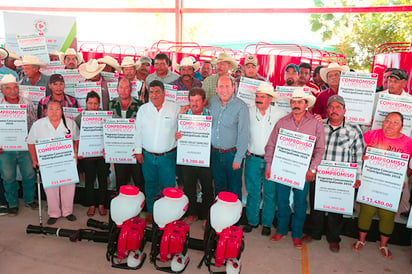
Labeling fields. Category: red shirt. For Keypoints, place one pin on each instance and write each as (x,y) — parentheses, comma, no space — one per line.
(321,104)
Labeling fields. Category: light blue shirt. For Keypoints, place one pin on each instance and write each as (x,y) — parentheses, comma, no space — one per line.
(230,125)
(5,70)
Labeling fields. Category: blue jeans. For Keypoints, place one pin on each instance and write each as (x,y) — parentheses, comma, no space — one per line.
(3,201)
(300,206)
(225,178)
(159,172)
(8,162)
(254,179)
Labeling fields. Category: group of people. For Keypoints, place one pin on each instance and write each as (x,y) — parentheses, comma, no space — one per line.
(243,138)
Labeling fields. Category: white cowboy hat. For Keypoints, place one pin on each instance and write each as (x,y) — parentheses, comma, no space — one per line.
(332,67)
(30,60)
(128,62)
(267,88)
(54,52)
(7,79)
(90,69)
(187,62)
(13,55)
(299,94)
(71,51)
(3,53)
(224,57)
(110,61)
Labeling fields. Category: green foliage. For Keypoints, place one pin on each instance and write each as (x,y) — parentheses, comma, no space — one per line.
(357,35)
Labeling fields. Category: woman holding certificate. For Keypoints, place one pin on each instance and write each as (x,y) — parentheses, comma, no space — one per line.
(51,126)
(94,166)
(388,138)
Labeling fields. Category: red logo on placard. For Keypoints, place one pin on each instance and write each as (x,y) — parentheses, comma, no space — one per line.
(374,75)
(42,88)
(209,118)
(312,138)
(23,106)
(404,156)
(110,113)
(97,83)
(353,165)
(68,136)
(131,121)
(79,110)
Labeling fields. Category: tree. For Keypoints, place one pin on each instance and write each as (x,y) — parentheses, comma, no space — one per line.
(356,35)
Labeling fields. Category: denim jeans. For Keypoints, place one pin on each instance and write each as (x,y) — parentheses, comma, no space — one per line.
(8,164)
(3,201)
(254,180)
(159,173)
(225,178)
(300,206)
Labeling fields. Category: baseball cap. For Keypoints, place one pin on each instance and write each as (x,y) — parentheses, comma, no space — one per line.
(145,59)
(251,59)
(399,74)
(294,66)
(55,78)
(336,98)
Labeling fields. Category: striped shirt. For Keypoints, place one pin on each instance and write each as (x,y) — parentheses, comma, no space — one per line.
(344,144)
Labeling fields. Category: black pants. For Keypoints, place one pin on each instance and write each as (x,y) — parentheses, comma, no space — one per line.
(125,171)
(191,175)
(95,167)
(317,220)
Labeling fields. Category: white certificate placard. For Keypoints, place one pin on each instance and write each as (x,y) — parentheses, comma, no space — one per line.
(91,133)
(110,76)
(13,127)
(119,140)
(285,93)
(292,157)
(71,78)
(72,113)
(409,223)
(82,89)
(33,93)
(247,89)
(358,90)
(334,190)
(389,103)
(112,89)
(182,97)
(193,149)
(383,175)
(34,44)
(56,161)
(170,93)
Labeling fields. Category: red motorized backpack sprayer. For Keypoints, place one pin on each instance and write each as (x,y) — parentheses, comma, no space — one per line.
(223,240)
(170,238)
(126,237)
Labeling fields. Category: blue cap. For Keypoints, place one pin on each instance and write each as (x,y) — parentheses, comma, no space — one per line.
(294,66)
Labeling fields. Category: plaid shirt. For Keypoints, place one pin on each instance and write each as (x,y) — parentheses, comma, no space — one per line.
(344,144)
(68,101)
(181,86)
(205,112)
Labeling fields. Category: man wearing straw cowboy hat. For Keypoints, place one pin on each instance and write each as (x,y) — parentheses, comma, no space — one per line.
(8,159)
(32,75)
(162,71)
(9,62)
(331,75)
(144,63)
(263,117)
(111,64)
(129,68)
(54,55)
(299,120)
(187,68)
(91,72)
(4,54)
(224,64)
(71,59)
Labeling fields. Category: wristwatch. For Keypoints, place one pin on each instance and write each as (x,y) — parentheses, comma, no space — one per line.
(313,171)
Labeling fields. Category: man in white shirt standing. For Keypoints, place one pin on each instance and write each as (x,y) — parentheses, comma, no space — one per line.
(263,117)
(156,124)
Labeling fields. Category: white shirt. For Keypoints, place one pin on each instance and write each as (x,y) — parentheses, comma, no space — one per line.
(261,127)
(155,130)
(42,128)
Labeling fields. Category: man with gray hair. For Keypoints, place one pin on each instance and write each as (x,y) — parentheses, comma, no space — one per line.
(32,75)
(9,158)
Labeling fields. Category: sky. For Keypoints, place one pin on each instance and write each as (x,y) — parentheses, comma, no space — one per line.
(146,29)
